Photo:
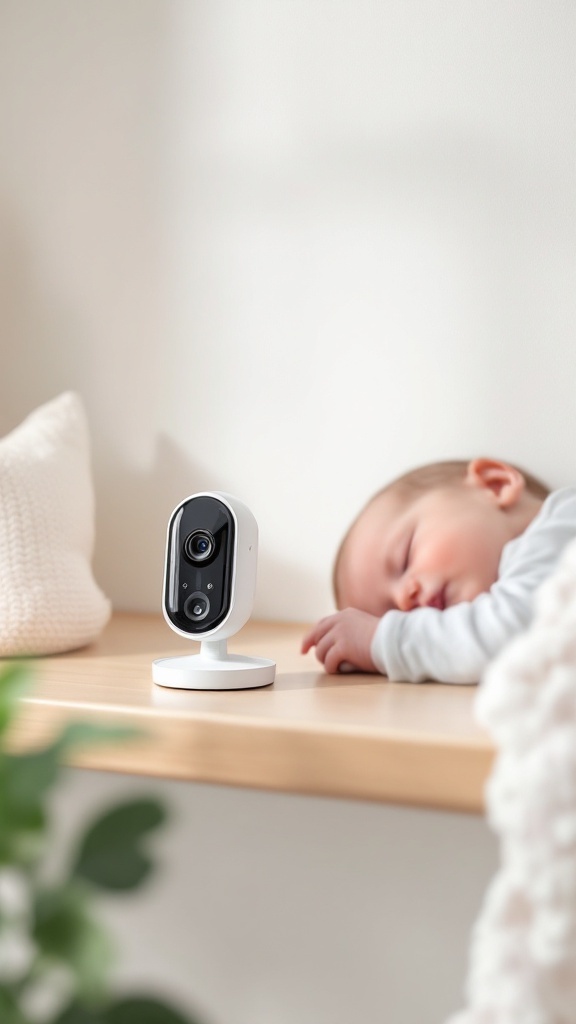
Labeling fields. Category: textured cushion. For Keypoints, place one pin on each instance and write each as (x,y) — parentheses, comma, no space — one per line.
(49,600)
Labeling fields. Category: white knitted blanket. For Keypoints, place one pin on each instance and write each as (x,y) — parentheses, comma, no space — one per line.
(523,951)
(49,599)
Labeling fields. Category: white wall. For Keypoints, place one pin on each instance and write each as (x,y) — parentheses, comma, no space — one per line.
(287,249)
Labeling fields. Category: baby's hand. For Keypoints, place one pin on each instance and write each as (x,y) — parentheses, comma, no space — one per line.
(343,641)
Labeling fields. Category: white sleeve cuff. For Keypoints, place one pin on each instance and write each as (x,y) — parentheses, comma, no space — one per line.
(385,641)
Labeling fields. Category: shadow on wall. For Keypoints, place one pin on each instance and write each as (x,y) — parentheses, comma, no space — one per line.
(132,520)
(46,347)
(132,524)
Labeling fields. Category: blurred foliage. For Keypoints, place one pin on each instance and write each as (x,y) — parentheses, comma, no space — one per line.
(55,956)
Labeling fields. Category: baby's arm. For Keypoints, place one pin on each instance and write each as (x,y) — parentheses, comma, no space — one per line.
(453,645)
(344,641)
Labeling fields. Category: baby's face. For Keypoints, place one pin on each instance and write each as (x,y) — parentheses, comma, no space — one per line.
(437,549)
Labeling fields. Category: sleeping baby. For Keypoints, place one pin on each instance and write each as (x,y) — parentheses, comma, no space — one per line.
(439,571)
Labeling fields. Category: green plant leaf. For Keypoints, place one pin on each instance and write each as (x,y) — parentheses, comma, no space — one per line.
(25,781)
(110,854)
(132,1010)
(66,931)
(21,812)
(140,1010)
(28,777)
(15,681)
(9,1010)
(76,1014)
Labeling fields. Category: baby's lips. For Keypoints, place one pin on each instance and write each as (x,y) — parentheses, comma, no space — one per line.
(438,601)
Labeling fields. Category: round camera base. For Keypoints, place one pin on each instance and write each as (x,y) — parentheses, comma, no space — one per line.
(213,669)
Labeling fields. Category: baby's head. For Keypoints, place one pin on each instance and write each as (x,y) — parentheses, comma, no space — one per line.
(434,536)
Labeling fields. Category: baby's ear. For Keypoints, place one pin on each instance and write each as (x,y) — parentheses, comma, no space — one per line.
(504,481)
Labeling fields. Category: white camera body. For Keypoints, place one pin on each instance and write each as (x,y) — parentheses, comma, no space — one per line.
(209,586)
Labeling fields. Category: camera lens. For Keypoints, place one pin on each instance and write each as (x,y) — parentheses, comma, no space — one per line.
(199,545)
(197,607)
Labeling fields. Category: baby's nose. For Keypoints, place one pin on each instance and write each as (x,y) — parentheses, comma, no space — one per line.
(410,596)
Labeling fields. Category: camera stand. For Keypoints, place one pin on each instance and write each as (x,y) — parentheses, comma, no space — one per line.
(213,669)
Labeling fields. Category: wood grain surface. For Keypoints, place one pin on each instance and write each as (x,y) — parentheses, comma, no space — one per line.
(352,736)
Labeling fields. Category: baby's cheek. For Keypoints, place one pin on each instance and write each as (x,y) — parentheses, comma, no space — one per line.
(457,554)
(474,556)
(441,551)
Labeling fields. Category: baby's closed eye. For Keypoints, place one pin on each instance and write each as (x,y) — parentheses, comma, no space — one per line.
(407,553)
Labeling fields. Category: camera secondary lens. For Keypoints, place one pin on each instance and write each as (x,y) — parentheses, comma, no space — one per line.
(199,545)
(197,607)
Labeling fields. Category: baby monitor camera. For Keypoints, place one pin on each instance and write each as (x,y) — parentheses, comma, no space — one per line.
(209,585)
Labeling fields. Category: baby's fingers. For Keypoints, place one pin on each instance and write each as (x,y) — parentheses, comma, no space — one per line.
(334,658)
(323,646)
(314,635)
(308,641)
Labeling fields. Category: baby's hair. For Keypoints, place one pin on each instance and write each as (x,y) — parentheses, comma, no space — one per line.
(426,478)
(440,474)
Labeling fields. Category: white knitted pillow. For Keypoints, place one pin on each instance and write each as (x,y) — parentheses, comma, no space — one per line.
(49,600)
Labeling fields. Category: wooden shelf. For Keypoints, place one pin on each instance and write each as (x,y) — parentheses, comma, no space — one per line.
(355,736)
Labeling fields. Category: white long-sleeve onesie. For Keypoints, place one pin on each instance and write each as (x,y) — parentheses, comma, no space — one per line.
(455,645)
